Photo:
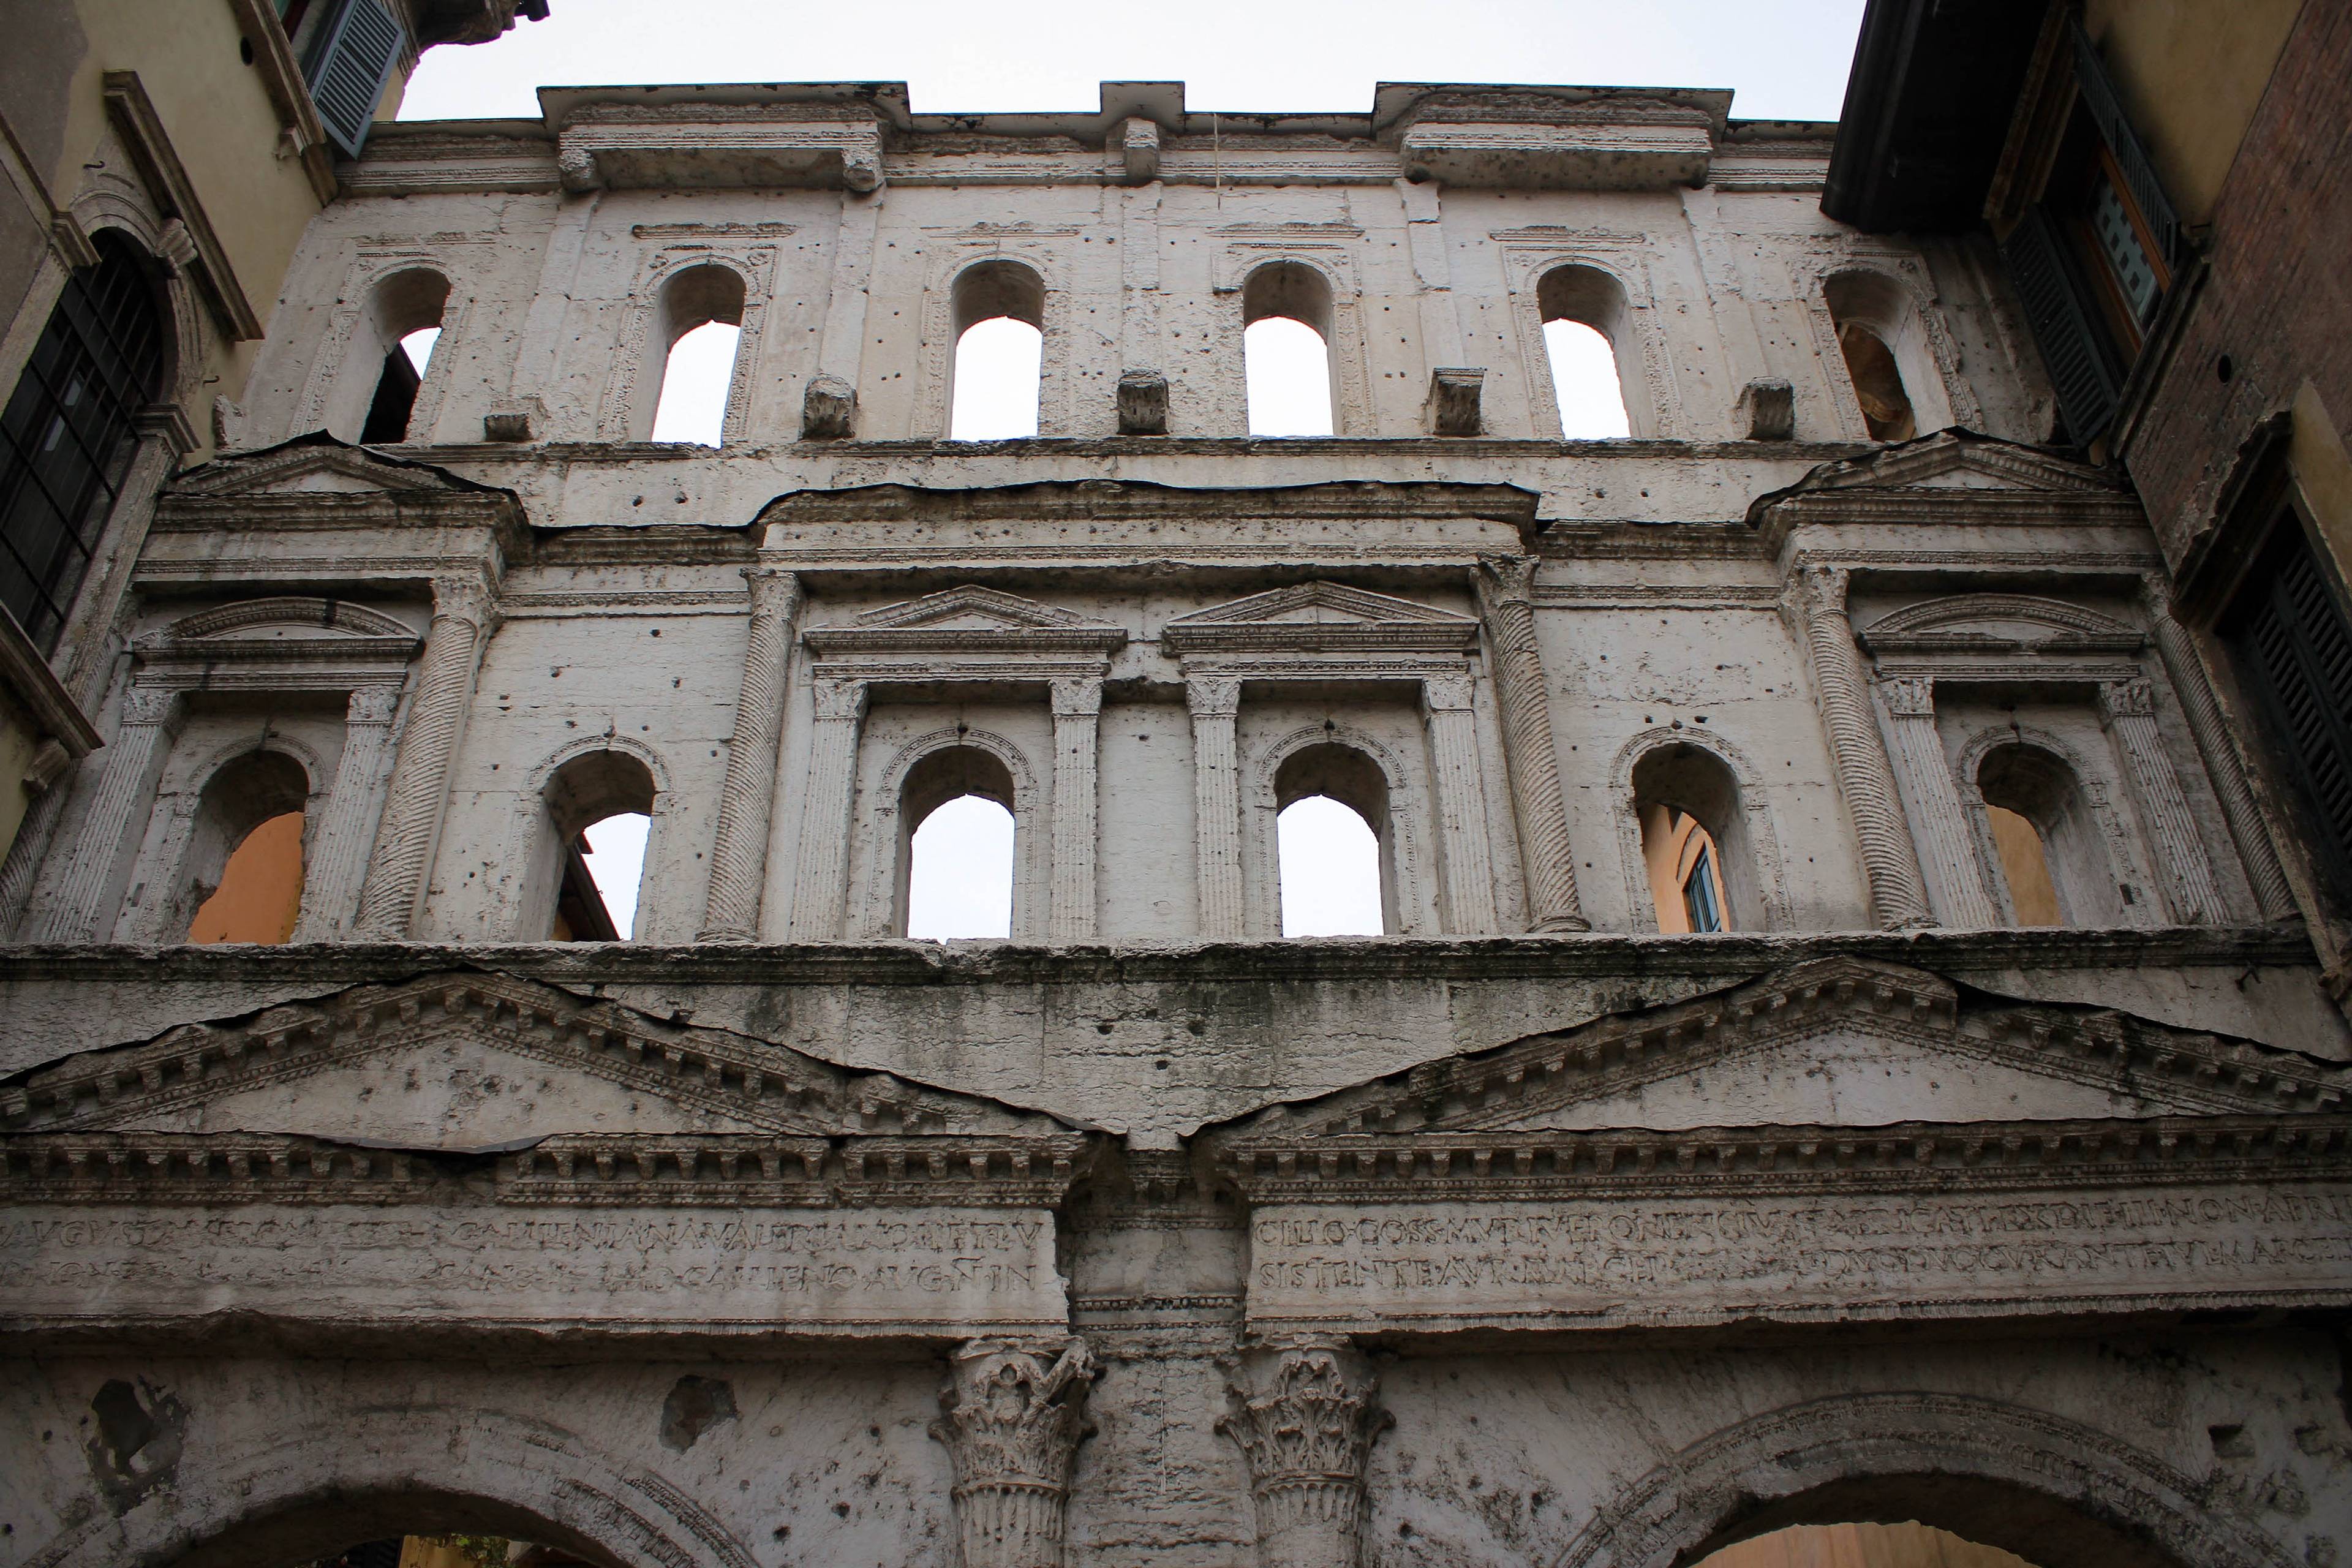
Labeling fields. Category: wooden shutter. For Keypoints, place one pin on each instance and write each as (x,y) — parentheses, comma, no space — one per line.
(2294,643)
(2073,349)
(354,58)
(2106,111)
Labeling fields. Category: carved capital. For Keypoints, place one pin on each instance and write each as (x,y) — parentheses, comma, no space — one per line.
(371,705)
(1214,698)
(775,590)
(464,599)
(1441,693)
(1304,1415)
(1078,698)
(2132,699)
(1908,696)
(1014,1415)
(1819,591)
(840,697)
(150,705)
(1503,580)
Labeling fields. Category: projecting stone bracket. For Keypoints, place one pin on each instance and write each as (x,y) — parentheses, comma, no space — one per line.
(515,419)
(1767,411)
(1142,403)
(1453,406)
(827,409)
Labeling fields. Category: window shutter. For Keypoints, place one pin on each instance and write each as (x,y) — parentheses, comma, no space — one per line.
(2072,347)
(354,58)
(2106,111)
(2295,639)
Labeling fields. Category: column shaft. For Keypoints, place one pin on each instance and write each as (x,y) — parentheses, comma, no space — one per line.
(2128,707)
(79,912)
(1897,894)
(1529,754)
(1466,865)
(2273,895)
(330,888)
(1216,804)
(1077,714)
(419,795)
(820,883)
(746,796)
(1937,817)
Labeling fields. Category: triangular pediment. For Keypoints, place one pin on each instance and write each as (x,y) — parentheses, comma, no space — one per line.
(1990,622)
(319,464)
(1957,460)
(972,607)
(1309,615)
(1835,1042)
(969,619)
(466,1059)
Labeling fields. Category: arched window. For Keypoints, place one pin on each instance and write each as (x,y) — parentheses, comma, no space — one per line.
(67,437)
(955,866)
(1888,356)
(1589,342)
(700,326)
(588,858)
(1906,1545)
(242,877)
(1332,848)
(1000,344)
(2051,854)
(1286,350)
(1694,845)
(402,324)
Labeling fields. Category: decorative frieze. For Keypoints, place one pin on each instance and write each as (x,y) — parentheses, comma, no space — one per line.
(1303,1412)
(1015,1413)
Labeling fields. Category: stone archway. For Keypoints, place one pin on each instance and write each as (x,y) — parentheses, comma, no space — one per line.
(315,1489)
(2055,1492)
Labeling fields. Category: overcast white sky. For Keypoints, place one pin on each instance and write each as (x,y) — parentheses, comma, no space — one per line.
(1785,58)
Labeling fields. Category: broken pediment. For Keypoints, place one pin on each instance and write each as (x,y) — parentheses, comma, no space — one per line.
(2000,622)
(1837,1042)
(1319,615)
(965,619)
(316,480)
(468,1059)
(1951,475)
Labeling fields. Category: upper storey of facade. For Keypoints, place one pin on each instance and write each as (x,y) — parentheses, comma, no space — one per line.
(1428,242)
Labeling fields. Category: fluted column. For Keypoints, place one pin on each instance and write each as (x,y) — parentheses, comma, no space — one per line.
(1215,704)
(1505,589)
(133,762)
(1815,601)
(1015,1413)
(1466,866)
(1077,722)
(746,796)
(1938,821)
(1303,1413)
(820,880)
(2127,708)
(2273,895)
(330,889)
(419,798)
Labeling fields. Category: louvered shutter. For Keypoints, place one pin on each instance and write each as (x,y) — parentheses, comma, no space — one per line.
(2072,347)
(2299,652)
(354,58)
(2106,111)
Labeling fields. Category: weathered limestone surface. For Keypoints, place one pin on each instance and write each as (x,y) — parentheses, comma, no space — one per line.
(1518,1234)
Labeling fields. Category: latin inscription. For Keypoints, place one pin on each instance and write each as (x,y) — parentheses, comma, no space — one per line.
(1675,1261)
(694,1266)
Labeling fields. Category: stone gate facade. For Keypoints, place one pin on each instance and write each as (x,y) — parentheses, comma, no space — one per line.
(1521,1234)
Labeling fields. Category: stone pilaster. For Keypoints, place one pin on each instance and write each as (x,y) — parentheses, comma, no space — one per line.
(2127,708)
(1215,705)
(1467,867)
(1303,1413)
(820,883)
(419,794)
(1815,601)
(85,648)
(1938,821)
(331,887)
(1505,588)
(1078,716)
(746,796)
(2273,895)
(1015,1413)
(80,911)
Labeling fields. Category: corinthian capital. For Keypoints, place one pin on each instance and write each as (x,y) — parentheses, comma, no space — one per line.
(1817,589)
(1303,1413)
(1504,580)
(462,598)
(1015,1412)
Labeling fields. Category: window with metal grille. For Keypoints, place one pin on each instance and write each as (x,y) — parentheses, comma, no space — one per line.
(66,437)
(353,59)
(2294,649)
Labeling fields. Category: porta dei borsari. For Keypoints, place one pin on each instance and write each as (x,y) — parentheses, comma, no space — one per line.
(1855,1027)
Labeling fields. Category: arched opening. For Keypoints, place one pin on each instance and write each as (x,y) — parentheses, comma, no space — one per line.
(700,326)
(401,1530)
(1906,1544)
(1331,844)
(242,877)
(2048,848)
(1588,327)
(955,863)
(1888,356)
(1930,1521)
(67,436)
(1694,842)
(403,321)
(588,861)
(1286,315)
(995,367)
